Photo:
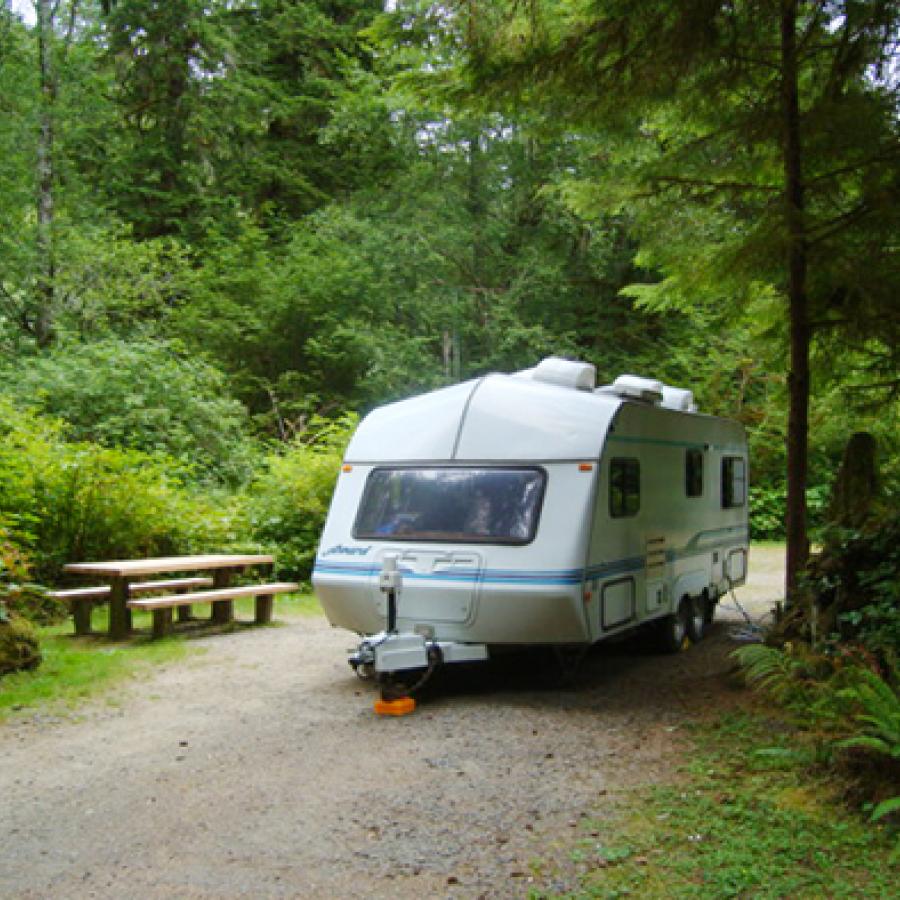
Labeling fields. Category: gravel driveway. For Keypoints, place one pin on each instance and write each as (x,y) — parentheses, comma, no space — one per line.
(257,769)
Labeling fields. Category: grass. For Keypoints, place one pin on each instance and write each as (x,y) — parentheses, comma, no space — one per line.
(76,669)
(738,823)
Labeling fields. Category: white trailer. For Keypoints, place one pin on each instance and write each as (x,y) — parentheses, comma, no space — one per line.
(532,509)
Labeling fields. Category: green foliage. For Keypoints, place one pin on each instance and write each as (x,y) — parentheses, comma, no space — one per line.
(841,702)
(767,509)
(857,578)
(288,500)
(19,647)
(879,715)
(780,672)
(68,501)
(33,602)
(142,394)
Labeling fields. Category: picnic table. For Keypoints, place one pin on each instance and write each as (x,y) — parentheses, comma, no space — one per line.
(124,576)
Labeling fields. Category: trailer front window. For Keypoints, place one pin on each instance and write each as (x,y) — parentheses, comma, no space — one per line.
(459,505)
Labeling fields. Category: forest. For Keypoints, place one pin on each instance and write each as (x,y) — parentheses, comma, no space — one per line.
(229,227)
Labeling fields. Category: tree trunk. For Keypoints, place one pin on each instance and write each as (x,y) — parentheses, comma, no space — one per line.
(798,377)
(43,318)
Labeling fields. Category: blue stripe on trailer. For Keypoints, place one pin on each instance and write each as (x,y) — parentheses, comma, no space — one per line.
(625,566)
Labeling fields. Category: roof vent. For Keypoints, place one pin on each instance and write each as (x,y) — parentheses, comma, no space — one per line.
(678,398)
(633,387)
(562,372)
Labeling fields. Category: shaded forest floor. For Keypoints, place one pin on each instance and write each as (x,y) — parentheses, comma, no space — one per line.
(257,768)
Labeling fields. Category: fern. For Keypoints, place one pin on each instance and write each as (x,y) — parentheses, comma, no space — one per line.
(775,671)
(878,712)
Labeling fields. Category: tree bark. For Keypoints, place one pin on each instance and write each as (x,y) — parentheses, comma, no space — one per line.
(43,318)
(798,312)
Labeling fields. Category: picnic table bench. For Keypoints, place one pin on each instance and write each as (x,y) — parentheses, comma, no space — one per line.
(124,583)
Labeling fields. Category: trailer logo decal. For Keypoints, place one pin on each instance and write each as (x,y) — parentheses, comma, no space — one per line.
(340,549)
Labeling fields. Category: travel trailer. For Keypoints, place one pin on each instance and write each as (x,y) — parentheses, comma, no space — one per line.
(532,509)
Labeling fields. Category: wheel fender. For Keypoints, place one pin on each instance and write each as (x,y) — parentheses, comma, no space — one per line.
(692,584)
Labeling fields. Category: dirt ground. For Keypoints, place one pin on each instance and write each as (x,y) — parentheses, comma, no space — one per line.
(258,769)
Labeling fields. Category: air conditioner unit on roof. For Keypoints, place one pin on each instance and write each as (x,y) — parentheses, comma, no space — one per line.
(562,372)
(633,387)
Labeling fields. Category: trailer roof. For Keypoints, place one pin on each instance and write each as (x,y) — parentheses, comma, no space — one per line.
(496,418)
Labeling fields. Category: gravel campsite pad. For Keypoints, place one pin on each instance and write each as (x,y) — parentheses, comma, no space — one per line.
(258,768)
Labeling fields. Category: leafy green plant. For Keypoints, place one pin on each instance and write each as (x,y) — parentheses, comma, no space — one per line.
(767,509)
(288,500)
(142,394)
(787,674)
(857,578)
(19,647)
(65,501)
(879,715)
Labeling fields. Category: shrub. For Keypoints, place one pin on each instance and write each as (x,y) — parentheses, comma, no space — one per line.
(19,647)
(767,510)
(63,502)
(144,395)
(288,501)
(856,579)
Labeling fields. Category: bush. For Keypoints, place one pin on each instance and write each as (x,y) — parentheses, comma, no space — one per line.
(19,647)
(63,502)
(856,582)
(767,510)
(143,395)
(288,501)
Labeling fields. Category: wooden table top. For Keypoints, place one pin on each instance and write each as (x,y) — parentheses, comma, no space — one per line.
(122,567)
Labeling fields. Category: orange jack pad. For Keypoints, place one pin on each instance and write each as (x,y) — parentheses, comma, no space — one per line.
(400,707)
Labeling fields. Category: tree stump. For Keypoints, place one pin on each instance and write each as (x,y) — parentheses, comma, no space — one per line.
(856,486)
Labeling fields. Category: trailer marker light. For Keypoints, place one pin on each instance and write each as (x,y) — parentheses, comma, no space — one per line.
(346,468)
(587,596)
(402,706)
(585,467)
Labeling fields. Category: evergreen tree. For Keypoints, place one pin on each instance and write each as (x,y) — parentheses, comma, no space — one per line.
(765,132)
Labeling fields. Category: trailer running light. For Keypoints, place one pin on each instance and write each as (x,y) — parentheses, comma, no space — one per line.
(585,467)
(346,468)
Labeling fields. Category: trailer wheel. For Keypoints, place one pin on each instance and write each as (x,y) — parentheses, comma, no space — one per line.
(673,630)
(696,623)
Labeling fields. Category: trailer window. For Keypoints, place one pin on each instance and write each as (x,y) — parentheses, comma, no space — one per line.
(499,506)
(734,481)
(624,487)
(693,473)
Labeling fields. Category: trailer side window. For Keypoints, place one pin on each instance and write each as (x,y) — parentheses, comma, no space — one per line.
(624,487)
(734,481)
(693,473)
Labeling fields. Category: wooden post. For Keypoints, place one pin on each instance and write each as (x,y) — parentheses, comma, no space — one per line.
(264,604)
(162,622)
(185,613)
(81,613)
(222,610)
(119,613)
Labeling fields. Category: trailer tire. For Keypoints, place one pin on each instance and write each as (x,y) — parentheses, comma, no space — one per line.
(696,623)
(672,636)
(711,602)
